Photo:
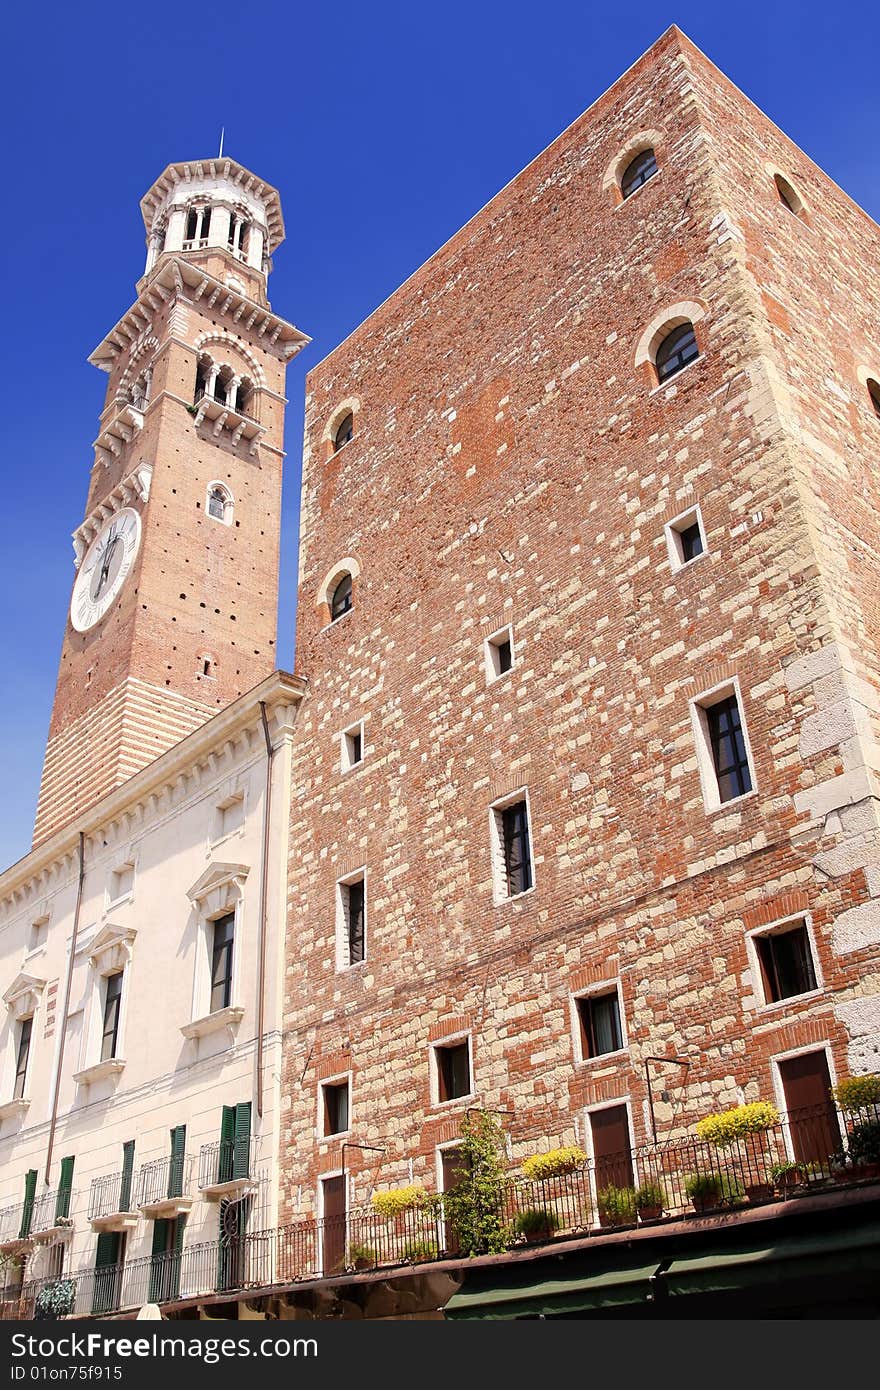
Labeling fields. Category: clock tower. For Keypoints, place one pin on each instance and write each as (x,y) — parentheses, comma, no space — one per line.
(174,603)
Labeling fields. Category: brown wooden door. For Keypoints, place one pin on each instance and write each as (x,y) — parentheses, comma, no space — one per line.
(611,1149)
(453,1168)
(812,1119)
(333,1225)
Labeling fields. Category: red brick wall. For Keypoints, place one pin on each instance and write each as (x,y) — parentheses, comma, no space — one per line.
(511,464)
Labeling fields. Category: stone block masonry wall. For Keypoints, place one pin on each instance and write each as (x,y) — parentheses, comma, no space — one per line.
(513,463)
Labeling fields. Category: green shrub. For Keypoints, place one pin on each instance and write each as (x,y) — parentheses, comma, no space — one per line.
(790,1171)
(474,1207)
(362,1253)
(55,1300)
(399,1199)
(617,1204)
(857,1092)
(713,1187)
(534,1221)
(728,1126)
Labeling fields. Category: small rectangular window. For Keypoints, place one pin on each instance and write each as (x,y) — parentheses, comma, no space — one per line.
(517,852)
(352,747)
(722,746)
(112,1001)
(223,933)
(453,1064)
(599,1020)
(499,654)
(23,1052)
(39,934)
(121,883)
(336,1108)
(685,538)
(351,921)
(230,816)
(786,962)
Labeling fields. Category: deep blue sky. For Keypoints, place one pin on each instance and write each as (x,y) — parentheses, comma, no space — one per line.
(384,125)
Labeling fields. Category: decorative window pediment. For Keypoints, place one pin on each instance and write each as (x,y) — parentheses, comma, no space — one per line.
(110,950)
(219,888)
(23,996)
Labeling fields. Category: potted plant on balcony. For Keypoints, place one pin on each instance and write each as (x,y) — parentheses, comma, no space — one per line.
(420,1251)
(554,1164)
(650,1201)
(788,1176)
(55,1300)
(617,1206)
(863,1147)
(708,1190)
(361,1256)
(535,1225)
(744,1127)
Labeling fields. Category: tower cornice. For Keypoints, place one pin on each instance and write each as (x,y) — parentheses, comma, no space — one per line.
(173,280)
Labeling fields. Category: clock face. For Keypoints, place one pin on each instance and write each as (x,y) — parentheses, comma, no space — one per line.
(104,568)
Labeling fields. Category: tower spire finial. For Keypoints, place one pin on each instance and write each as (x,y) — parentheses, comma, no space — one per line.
(222,133)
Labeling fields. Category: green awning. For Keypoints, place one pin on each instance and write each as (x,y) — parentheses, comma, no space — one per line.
(516,1296)
(725,1270)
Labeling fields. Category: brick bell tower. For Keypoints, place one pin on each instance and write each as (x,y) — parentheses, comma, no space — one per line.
(173,610)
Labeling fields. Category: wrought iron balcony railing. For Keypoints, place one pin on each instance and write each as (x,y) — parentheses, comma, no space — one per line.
(164,1180)
(226,1163)
(110,1194)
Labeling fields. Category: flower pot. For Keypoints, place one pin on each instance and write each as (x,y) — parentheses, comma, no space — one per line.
(650,1213)
(539,1234)
(759,1191)
(788,1183)
(362,1263)
(609,1218)
(708,1202)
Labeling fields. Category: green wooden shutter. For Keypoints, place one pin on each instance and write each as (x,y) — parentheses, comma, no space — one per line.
(241,1164)
(157,1261)
(27,1210)
(175,1167)
(227,1144)
(65,1187)
(127,1170)
(108,1255)
(173,1276)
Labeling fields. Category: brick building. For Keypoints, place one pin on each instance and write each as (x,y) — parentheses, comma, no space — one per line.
(581,755)
(606,492)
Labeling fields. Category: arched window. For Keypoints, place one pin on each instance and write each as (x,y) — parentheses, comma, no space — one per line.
(341,601)
(874,394)
(344,432)
(140,391)
(638,171)
(676,350)
(238,229)
(219,503)
(198,225)
(244,398)
(203,367)
(787,195)
(223,385)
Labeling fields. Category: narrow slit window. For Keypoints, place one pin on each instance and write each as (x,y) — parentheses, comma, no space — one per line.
(25,1031)
(221,962)
(112,1003)
(342,598)
(874,395)
(517,851)
(499,654)
(352,747)
(336,1108)
(344,431)
(354,913)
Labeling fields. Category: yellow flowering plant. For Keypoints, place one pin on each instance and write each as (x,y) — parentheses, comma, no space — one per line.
(729,1125)
(395,1200)
(553,1164)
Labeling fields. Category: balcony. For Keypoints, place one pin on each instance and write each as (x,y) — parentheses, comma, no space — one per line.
(164,1187)
(12,1223)
(221,416)
(50,1217)
(110,1203)
(760,1208)
(226,1169)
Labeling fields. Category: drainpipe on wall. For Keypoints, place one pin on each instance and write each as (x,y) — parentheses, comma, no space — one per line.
(64,1011)
(264,897)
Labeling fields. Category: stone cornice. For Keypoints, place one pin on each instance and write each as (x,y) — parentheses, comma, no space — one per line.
(219,168)
(201,749)
(180,279)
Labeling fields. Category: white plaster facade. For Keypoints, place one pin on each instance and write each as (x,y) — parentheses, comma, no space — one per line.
(179,844)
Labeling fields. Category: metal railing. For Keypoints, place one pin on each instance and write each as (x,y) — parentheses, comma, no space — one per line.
(109,1194)
(10,1222)
(164,1178)
(52,1208)
(807,1151)
(225,1160)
